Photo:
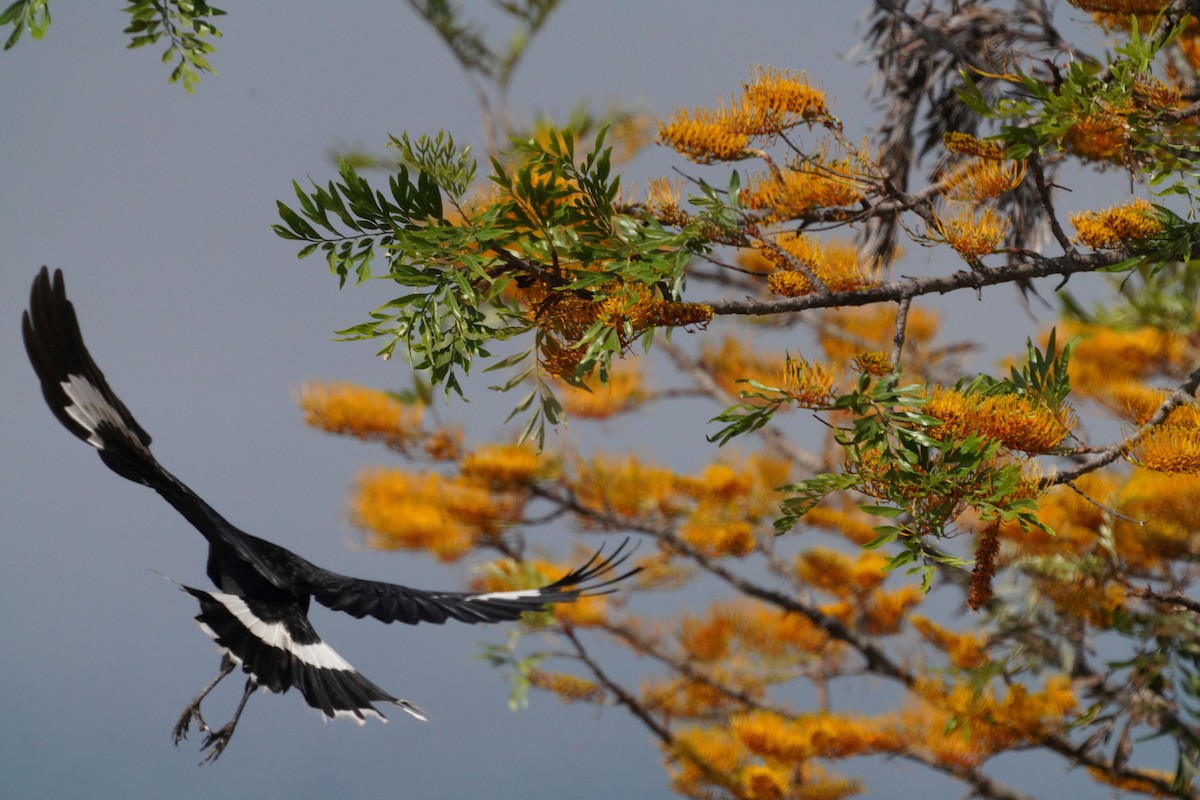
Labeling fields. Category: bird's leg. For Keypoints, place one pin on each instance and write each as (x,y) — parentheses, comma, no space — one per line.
(218,739)
(192,711)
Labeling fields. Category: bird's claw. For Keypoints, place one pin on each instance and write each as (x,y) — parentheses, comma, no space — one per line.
(215,743)
(184,724)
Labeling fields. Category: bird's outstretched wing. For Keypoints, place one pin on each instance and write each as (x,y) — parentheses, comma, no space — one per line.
(78,394)
(389,602)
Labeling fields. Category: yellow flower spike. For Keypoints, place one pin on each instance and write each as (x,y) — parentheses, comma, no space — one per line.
(569,688)
(800,188)
(1153,95)
(732,360)
(827,570)
(504,465)
(847,330)
(404,511)
(626,487)
(1099,137)
(983,179)
(1170,506)
(786,95)
(662,201)
(703,136)
(766,782)
(968,145)
(1134,783)
(885,610)
(1124,8)
(790,284)
(718,537)
(367,414)
(623,392)
(810,385)
(837,266)
(586,612)
(1168,448)
(971,234)
(1116,226)
(706,640)
(1019,422)
(1105,356)
(965,650)
(829,736)
(873,362)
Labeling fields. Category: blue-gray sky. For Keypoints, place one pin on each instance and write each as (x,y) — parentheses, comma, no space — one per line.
(157,205)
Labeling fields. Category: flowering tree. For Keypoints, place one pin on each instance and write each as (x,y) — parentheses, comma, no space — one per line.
(1055,504)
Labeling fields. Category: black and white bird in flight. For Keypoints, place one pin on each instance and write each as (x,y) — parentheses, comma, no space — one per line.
(259,615)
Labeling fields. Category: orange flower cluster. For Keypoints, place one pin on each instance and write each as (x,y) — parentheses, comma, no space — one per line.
(967,145)
(1169,505)
(847,521)
(1152,94)
(771,102)
(1073,518)
(803,186)
(813,736)
(662,201)
(719,512)
(837,266)
(971,234)
(988,723)
(1134,783)
(810,385)
(623,392)
(706,640)
(444,516)
(873,362)
(705,135)
(1020,422)
(1170,448)
(983,179)
(569,688)
(1084,598)
(505,466)
(846,332)
(626,488)
(448,515)
(707,763)
(839,574)
(682,697)
(1106,357)
(1117,226)
(1102,136)
(728,507)
(965,650)
(1135,402)
(565,317)
(1124,8)
(732,361)
(785,96)
(700,756)
(367,414)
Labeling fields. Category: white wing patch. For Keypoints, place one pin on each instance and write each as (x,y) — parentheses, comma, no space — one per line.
(518,594)
(90,408)
(275,634)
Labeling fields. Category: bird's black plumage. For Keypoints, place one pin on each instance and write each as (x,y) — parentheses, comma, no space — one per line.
(259,616)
